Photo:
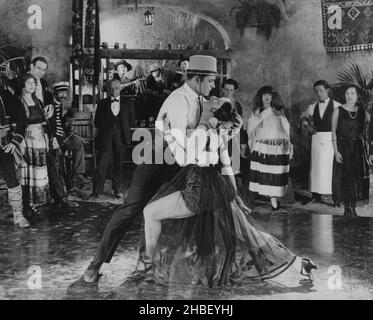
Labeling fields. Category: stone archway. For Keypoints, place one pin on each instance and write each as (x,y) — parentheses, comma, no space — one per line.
(215,25)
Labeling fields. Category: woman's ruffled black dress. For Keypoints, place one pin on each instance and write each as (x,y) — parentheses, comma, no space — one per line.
(221,242)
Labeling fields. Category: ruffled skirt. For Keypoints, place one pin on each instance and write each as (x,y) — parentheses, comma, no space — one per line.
(221,242)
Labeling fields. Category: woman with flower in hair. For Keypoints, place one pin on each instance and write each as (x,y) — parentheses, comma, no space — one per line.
(269,140)
(34,172)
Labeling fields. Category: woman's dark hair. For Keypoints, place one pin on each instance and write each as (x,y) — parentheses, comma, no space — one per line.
(226,112)
(275,102)
(21,81)
(358,91)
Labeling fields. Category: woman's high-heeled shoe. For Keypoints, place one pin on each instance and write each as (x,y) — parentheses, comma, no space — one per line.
(145,266)
(307,266)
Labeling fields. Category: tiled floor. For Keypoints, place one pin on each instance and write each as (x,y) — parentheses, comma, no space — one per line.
(48,260)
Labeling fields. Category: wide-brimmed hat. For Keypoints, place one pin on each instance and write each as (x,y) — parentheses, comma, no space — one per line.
(202,65)
(62,85)
(154,67)
(125,63)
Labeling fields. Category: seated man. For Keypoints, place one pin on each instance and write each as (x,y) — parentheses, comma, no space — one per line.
(55,157)
(67,138)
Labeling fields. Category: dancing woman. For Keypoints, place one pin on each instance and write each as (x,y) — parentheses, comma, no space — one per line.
(198,230)
(351,164)
(269,141)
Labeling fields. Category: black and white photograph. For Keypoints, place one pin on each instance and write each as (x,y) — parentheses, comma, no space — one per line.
(203,151)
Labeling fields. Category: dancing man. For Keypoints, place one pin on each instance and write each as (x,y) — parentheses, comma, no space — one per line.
(183,108)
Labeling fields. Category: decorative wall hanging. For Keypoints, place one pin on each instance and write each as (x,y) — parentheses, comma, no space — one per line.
(91,64)
(347,25)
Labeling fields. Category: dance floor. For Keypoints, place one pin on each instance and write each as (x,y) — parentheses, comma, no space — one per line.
(48,260)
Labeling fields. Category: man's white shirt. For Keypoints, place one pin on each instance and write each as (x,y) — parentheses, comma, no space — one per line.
(322,108)
(183,108)
(115,108)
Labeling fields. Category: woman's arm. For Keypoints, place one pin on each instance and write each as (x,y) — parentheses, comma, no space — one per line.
(254,121)
(338,156)
(225,160)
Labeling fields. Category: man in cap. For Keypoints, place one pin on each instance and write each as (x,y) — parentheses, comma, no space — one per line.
(67,138)
(183,108)
(55,157)
(13,123)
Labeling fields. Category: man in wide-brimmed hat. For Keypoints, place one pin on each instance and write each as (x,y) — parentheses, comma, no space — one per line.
(183,108)
(122,68)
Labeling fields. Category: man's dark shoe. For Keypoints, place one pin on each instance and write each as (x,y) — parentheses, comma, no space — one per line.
(92,275)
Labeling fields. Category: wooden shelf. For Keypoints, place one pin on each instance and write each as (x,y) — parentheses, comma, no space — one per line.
(160,54)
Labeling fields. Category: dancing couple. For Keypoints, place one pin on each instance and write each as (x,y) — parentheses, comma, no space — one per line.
(197,228)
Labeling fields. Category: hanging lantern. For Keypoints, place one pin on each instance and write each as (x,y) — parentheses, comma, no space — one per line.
(149,17)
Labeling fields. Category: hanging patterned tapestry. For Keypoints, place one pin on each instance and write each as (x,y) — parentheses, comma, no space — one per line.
(348,25)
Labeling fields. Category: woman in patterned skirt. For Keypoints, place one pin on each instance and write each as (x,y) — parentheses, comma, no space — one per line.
(271,150)
(34,173)
(351,164)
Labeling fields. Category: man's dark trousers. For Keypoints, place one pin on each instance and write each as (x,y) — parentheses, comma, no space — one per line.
(110,147)
(7,169)
(146,181)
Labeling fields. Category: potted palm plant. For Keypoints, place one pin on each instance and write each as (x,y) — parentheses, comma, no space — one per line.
(354,75)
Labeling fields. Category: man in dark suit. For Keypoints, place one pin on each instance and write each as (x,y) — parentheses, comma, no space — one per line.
(113,122)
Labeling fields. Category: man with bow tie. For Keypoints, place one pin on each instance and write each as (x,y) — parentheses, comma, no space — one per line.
(317,119)
(113,123)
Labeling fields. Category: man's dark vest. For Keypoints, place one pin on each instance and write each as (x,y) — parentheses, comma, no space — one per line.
(324,124)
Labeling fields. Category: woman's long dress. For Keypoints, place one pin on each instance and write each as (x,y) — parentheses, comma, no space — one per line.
(221,242)
(34,172)
(270,153)
(351,178)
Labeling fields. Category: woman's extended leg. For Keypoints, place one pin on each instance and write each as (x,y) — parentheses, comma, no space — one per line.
(169,207)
